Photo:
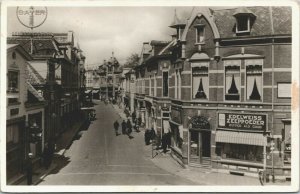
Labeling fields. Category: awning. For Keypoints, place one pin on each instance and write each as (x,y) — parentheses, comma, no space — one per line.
(87,91)
(96,91)
(240,138)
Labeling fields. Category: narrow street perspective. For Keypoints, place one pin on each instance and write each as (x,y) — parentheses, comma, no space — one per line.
(99,157)
(150,96)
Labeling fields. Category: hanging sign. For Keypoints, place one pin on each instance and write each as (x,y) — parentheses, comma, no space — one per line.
(32,17)
(243,121)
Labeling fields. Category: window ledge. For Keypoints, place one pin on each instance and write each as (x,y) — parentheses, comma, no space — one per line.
(199,43)
(14,103)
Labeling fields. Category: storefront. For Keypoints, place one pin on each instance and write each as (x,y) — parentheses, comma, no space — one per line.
(240,141)
(199,141)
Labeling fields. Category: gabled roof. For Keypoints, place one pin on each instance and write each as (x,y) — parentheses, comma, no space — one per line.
(42,46)
(20,49)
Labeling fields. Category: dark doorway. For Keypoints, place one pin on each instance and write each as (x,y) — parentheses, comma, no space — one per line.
(205,143)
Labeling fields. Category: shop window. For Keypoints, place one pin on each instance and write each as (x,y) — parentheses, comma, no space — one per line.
(165,84)
(176,138)
(13,81)
(254,79)
(12,134)
(200,81)
(232,80)
(240,152)
(286,138)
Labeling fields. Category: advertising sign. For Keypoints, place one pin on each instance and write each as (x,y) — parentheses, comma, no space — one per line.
(243,121)
(32,17)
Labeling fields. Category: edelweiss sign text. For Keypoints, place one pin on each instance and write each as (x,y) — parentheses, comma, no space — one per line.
(242,121)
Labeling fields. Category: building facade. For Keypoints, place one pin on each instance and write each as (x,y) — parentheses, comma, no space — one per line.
(225,82)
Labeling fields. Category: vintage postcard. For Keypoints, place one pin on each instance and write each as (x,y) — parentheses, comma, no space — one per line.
(142,96)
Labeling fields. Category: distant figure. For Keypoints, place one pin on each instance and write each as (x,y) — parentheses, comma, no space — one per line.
(153,134)
(164,142)
(169,139)
(124,125)
(147,136)
(139,121)
(29,169)
(116,126)
(129,127)
(46,156)
(133,115)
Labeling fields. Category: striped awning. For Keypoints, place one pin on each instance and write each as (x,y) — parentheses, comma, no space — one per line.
(240,138)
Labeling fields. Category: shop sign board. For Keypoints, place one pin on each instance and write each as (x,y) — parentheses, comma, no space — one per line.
(243,121)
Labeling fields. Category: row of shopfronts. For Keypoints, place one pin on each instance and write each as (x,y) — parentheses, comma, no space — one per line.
(224,96)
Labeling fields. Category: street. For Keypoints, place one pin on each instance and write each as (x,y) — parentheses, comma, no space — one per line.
(99,157)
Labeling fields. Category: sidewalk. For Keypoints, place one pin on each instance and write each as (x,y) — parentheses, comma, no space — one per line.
(62,143)
(198,175)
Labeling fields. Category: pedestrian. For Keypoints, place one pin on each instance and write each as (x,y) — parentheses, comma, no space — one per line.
(133,115)
(124,125)
(140,121)
(153,134)
(116,126)
(164,142)
(46,156)
(147,136)
(29,169)
(129,127)
(136,127)
(169,139)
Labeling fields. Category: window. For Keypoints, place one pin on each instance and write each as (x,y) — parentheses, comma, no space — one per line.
(232,80)
(177,84)
(13,81)
(254,79)
(286,138)
(150,86)
(240,152)
(176,137)
(14,56)
(12,134)
(243,23)
(165,84)
(200,80)
(155,85)
(200,34)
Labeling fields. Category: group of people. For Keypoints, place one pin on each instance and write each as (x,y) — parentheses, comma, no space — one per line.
(126,127)
(150,135)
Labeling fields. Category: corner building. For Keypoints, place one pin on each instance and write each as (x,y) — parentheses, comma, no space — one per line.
(229,82)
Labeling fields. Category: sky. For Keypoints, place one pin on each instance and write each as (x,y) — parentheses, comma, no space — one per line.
(103,30)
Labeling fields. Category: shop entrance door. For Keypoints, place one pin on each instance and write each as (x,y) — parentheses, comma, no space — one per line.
(199,146)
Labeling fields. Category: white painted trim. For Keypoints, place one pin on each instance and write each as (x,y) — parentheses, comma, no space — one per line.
(277,70)
(186,72)
(275,86)
(216,86)
(216,71)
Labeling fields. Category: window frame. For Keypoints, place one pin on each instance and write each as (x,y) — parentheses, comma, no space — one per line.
(198,28)
(238,18)
(163,84)
(246,62)
(224,80)
(18,81)
(197,64)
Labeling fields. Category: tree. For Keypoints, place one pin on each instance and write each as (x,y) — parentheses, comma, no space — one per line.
(132,60)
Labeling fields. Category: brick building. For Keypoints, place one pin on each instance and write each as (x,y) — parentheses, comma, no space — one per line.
(223,83)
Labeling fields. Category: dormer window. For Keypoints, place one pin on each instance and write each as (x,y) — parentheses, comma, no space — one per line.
(243,24)
(244,20)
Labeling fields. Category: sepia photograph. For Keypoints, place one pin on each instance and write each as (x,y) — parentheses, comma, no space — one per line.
(135,96)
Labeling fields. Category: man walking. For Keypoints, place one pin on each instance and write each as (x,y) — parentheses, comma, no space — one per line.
(124,127)
(129,127)
(116,126)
